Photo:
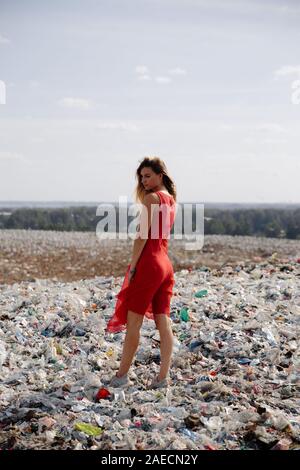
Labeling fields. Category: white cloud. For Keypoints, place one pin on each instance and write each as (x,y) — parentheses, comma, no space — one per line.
(34,84)
(123,126)
(271,127)
(262,128)
(144,77)
(79,103)
(142,72)
(142,69)
(4,40)
(249,140)
(248,6)
(296,84)
(163,79)
(36,140)
(2,92)
(13,156)
(177,71)
(287,70)
(226,127)
(275,141)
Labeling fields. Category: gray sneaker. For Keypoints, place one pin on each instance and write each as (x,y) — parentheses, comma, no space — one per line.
(117,382)
(158,384)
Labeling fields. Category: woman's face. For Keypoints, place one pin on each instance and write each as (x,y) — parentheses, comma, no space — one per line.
(149,179)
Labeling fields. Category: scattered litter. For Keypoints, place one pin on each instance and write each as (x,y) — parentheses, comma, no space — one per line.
(235,377)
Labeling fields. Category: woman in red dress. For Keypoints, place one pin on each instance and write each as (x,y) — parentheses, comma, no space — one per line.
(148,284)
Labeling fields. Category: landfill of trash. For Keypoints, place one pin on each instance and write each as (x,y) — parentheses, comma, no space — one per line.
(235,376)
(70,256)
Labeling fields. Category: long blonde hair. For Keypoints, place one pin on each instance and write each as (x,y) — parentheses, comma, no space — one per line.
(158,166)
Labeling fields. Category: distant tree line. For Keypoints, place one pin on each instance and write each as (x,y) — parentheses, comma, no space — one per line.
(275,223)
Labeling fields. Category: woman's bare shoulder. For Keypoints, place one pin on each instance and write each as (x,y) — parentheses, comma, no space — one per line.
(151,198)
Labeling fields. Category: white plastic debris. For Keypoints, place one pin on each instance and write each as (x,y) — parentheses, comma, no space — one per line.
(235,375)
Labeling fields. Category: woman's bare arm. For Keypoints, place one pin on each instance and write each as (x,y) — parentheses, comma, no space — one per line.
(146,220)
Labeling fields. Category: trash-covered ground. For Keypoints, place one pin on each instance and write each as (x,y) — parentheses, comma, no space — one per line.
(235,373)
(70,256)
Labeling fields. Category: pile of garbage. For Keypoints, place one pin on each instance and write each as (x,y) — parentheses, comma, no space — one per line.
(235,377)
(27,255)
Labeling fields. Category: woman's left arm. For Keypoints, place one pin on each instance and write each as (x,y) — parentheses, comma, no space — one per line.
(146,220)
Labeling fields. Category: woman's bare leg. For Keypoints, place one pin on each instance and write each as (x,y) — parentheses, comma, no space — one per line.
(166,344)
(132,338)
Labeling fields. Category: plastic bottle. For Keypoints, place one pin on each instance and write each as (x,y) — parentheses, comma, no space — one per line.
(201,293)
(184,314)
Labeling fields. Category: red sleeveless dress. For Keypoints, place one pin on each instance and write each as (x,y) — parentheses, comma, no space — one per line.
(151,289)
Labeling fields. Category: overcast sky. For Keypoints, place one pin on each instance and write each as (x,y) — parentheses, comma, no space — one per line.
(92,86)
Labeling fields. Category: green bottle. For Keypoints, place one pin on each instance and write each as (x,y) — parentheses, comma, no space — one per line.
(184,314)
(201,293)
